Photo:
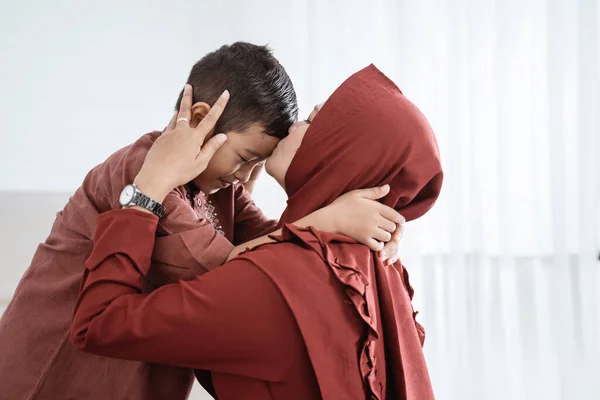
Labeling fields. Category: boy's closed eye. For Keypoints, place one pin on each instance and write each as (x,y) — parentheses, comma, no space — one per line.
(251,156)
(248,160)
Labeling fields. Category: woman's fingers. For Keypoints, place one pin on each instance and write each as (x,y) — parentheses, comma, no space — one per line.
(374,244)
(209,149)
(210,120)
(398,233)
(390,251)
(185,107)
(172,122)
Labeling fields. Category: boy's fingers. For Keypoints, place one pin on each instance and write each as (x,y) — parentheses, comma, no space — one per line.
(387,225)
(374,193)
(391,214)
(374,244)
(382,235)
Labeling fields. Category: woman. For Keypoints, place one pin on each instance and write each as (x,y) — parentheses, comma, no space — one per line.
(314,315)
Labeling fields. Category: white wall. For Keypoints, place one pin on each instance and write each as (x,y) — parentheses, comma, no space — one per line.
(81,79)
(26,220)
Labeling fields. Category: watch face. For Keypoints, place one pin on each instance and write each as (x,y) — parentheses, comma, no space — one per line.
(127,195)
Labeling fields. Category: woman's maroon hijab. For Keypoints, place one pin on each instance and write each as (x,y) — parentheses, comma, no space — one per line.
(367,134)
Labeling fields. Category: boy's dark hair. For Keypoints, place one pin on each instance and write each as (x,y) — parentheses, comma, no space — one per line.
(261,90)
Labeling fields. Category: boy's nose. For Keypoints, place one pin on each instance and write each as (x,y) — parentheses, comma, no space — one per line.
(243,174)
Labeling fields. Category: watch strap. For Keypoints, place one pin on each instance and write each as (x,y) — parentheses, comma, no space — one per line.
(140,199)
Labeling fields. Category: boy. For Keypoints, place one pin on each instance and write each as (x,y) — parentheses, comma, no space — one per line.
(202,219)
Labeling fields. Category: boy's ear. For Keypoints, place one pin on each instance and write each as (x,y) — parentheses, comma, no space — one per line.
(199,111)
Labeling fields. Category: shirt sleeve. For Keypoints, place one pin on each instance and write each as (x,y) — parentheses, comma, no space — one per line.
(187,245)
(233,320)
(250,222)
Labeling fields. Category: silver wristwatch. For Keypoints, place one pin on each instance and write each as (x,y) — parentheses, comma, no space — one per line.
(131,196)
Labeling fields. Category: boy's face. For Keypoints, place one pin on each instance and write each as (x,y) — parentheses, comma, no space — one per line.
(236,158)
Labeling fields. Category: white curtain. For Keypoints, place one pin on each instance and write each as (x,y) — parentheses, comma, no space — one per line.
(506,265)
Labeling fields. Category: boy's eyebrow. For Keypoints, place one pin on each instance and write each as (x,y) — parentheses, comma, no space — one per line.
(262,156)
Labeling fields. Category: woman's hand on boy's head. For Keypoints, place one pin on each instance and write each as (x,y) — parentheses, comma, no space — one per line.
(178,155)
(359,215)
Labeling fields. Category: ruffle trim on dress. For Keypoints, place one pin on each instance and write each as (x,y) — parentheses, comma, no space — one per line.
(360,295)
